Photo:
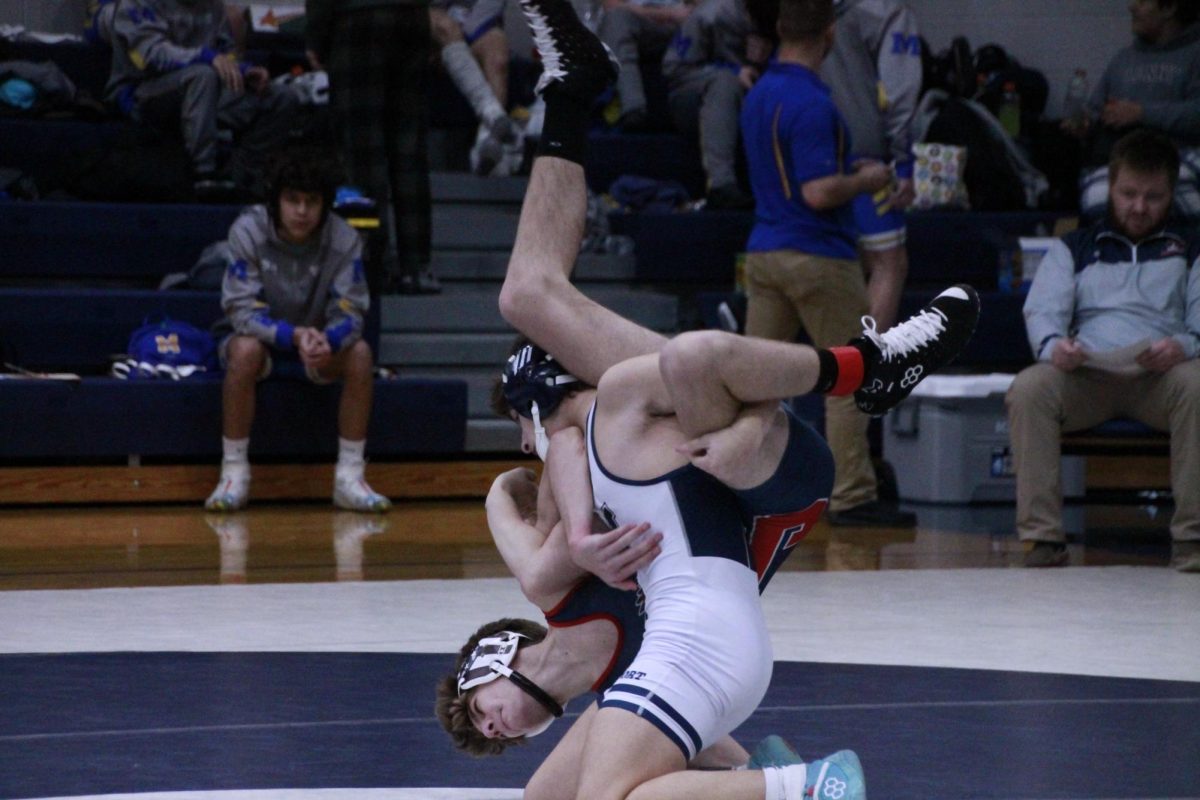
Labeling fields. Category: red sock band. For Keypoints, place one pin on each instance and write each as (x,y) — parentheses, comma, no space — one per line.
(850,370)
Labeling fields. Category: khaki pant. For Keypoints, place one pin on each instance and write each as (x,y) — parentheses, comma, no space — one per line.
(1044,402)
(828,296)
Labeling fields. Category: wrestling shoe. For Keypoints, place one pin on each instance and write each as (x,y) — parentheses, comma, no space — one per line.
(773,751)
(351,492)
(233,490)
(574,61)
(835,777)
(895,361)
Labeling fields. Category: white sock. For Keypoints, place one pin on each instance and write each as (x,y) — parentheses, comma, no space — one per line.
(350,456)
(795,776)
(469,78)
(235,452)
(773,778)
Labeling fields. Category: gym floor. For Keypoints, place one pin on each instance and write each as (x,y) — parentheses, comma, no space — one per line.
(291,651)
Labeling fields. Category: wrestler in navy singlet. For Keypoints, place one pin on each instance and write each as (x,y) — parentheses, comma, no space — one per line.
(593,599)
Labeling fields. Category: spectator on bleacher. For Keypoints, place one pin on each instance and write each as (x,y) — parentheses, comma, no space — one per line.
(1129,281)
(377,54)
(874,72)
(1155,84)
(713,59)
(801,263)
(475,54)
(633,30)
(296,289)
(174,67)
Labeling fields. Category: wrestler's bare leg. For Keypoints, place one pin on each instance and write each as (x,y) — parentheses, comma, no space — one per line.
(538,298)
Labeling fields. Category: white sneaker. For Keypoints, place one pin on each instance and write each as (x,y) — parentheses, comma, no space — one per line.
(352,493)
(233,490)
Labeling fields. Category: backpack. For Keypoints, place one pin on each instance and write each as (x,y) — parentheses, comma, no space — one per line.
(168,348)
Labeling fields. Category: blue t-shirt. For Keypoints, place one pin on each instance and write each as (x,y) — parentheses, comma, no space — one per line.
(793,134)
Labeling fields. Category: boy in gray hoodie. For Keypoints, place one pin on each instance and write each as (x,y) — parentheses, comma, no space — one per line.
(297,286)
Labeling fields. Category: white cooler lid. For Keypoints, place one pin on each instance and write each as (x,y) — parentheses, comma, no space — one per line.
(964,385)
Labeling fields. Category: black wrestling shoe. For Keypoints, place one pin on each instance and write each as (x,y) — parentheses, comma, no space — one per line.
(574,61)
(895,361)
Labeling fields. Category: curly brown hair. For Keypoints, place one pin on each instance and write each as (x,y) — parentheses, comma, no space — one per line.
(451,709)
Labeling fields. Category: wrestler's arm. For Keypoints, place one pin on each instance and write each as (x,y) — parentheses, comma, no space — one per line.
(614,556)
(538,558)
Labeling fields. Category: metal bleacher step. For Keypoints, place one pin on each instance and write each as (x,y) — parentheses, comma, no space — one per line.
(480,379)
(473,309)
(490,266)
(418,351)
(463,187)
(474,226)
(492,435)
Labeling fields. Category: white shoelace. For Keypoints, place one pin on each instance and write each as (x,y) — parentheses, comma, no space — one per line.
(546,46)
(908,335)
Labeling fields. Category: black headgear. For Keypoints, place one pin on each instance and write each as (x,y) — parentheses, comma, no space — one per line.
(533,376)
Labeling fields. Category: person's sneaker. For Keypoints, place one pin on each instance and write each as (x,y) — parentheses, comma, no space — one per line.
(233,490)
(574,61)
(875,514)
(1185,556)
(835,777)
(486,153)
(1046,554)
(352,493)
(773,751)
(895,361)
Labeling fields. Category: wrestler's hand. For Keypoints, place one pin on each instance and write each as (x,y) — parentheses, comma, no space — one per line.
(521,485)
(731,453)
(616,556)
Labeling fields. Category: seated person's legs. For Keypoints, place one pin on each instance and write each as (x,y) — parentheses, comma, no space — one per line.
(185,101)
(246,361)
(354,367)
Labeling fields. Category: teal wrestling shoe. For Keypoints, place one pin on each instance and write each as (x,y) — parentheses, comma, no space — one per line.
(773,751)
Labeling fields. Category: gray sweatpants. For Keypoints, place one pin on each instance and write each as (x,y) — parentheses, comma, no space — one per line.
(195,99)
(631,38)
(707,103)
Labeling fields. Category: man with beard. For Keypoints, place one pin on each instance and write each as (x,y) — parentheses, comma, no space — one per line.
(1130,281)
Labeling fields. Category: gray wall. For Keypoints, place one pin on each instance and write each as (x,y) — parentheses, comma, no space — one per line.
(54,16)
(1055,36)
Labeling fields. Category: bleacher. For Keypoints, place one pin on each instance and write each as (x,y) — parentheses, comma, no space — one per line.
(77,277)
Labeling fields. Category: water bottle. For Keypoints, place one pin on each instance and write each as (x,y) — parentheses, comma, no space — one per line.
(1010,110)
(1075,103)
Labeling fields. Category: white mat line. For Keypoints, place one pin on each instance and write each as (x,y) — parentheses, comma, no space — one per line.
(806,709)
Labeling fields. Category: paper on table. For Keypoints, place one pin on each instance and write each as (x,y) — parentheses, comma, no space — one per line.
(1122,361)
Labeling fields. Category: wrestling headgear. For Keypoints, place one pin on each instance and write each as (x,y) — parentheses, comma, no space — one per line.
(534,385)
(490,659)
